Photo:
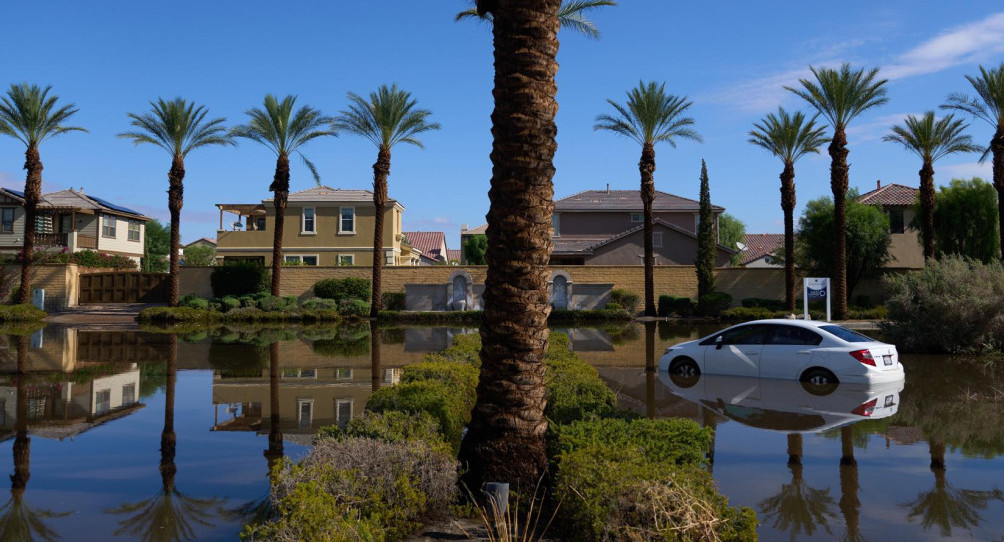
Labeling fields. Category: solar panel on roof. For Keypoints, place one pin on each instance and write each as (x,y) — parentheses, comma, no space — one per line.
(112,206)
(17,193)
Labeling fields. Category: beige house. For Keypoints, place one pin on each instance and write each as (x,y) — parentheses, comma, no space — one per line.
(897,200)
(323,226)
(73,221)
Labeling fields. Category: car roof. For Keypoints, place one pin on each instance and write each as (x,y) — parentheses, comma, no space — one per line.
(792,322)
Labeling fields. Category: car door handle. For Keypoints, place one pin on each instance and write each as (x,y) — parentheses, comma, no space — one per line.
(805,351)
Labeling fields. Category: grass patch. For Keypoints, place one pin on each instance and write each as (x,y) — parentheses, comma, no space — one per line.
(21,313)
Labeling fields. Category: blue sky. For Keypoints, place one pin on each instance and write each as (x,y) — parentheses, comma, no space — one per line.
(732,59)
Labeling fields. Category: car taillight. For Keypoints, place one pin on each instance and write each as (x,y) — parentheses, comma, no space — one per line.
(864,356)
(865,409)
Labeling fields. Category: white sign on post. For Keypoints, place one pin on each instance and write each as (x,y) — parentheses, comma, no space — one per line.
(813,289)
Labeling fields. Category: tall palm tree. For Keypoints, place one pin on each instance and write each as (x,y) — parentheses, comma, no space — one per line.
(931,140)
(788,137)
(988,105)
(840,96)
(505,440)
(283,131)
(29,114)
(571,14)
(650,116)
(178,127)
(387,118)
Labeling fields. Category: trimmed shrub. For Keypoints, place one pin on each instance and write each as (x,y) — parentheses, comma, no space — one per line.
(391,426)
(952,305)
(21,313)
(626,299)
(173,314)
(462,378)
(745,314)
(574,388)
(354,307)
(759,302)
(194,302)
(340,289)
(671,440)
(587,316)
(239,278)
(714,303)
(393,301)
(229,303)
(448,407)
(315,303)
(614,307)
(670,305)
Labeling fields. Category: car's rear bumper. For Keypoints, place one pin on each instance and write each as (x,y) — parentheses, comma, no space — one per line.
(874,376)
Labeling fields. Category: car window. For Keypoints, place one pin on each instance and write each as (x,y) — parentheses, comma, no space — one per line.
(847,334)
(793,335)
(754,334)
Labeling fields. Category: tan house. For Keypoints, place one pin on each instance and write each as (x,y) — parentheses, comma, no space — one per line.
(323,226)
(73,221)
(897,200)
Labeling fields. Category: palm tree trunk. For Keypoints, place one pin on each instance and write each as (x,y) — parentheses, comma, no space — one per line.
(175,199)
(997,148)
(838,184)
(32,195)
(788,206)
(168,438)
(381,169)
(22,442)
(505,440)
(280,195)
(927,209)
(647,167)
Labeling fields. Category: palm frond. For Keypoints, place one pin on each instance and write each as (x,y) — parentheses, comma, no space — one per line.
(177,126)
(841,95)
(988,104)
(571,15)
(650,116)
(788,136)
(932,139)
(387,117)
(29,114)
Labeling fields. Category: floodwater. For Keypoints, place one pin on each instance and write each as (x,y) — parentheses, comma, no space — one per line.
(129,435)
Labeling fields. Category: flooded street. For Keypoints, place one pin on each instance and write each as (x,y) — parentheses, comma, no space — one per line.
(102,443)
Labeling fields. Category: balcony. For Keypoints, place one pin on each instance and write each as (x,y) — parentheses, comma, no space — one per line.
(73,241)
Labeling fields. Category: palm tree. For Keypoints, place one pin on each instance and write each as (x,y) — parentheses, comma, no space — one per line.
(387,118)
(650,116)
(571,14)
(840,96)
(276,126)
(29,114)
(505,440)
(988,106)
(930,140)
(179,127)
(788,137)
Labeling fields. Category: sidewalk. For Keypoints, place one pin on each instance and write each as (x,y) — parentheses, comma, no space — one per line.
(100,313)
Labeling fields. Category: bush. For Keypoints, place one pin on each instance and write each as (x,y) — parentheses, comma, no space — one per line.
(229,303)
(626,299)
(462,377)
(239,278)
(745,314)
(614,307)
(759,302)
(612,492)
(21,313)
(354,307)
(680,306)
(448,407)
(393,301)
(193,301)
(714,303)
(574,388)
(671,440)
(173,314)
(318,303)
(341,289)
(952,305)
(358,489)
(391,426)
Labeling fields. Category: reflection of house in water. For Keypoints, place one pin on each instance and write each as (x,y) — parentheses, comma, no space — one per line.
(431,339)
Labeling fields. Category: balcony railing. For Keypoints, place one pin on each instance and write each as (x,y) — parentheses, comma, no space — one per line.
(51,239)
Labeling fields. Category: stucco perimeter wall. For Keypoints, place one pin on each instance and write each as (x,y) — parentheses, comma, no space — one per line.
(60,282)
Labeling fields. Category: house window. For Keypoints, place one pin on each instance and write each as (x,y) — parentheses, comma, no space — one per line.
(7,220)
(133,231)
(108,226)
(347,220)
(388,258)
(896,221)
(102,401)
(305,412)
(343,373)
(307,225)
(343,412)
(657,239)
(346,259)
(554,224)
(259,223)
(637,217)
(129,394)
(308,260)
(297,259)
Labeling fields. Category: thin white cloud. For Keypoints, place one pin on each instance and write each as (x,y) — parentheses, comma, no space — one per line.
(875,129)
(965,44)
(967,170)
(9,180)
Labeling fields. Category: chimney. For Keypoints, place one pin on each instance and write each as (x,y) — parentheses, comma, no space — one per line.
(878,184)
(463,227)
(81,189)
(608,189)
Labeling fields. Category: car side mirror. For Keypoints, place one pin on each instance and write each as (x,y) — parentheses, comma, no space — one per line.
(718,342)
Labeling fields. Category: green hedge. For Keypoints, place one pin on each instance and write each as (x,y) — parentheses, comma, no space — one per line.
(341,289)
(770,304)
(574,388)
(239,278)
(21,313)
(439,400)
(676,306)
(713,304)
(393,301)
(625,298)
(391,426)
(673,440)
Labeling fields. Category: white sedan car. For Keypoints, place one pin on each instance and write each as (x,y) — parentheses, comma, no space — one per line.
(816,352)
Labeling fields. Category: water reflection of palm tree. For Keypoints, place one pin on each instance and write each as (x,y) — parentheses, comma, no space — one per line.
(376,338)
(945,506)
(18,521)
(850,505)
(650,369)
(797,508)
(169,515)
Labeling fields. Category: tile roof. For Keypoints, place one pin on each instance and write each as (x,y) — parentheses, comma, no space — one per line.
(625,200)
(759,245)
(453,254)
(890,194)
(72,199)
(430,243)
(474,231)
(326,193)
(205,240)
(581,245)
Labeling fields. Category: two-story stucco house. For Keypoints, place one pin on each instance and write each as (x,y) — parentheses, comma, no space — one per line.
(897,200)
(323,226)
(73,221)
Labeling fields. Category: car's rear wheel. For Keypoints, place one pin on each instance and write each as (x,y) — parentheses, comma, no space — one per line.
(819,381)
(684,372)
